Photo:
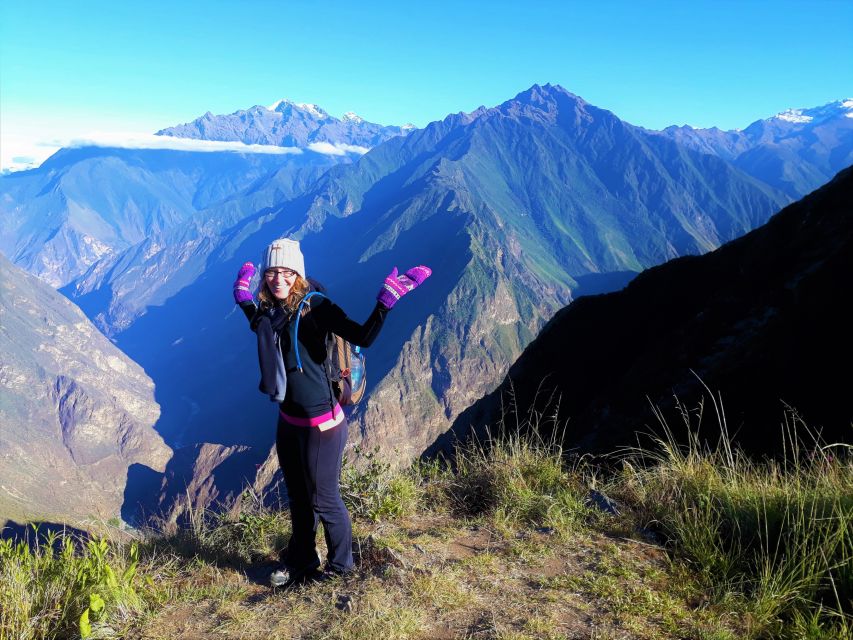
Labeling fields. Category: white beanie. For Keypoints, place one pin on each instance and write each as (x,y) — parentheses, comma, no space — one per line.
(284,253)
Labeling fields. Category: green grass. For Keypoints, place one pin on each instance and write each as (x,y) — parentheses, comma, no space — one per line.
(778,534)
(517,481)
(250,533)
(66,587)
(373,492)
(497,541)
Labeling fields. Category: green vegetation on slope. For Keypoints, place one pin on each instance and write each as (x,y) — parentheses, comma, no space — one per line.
(499,543)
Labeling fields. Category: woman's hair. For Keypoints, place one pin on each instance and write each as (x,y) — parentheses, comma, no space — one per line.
(298,291)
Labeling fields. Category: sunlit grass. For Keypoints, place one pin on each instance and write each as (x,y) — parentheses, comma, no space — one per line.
(763,548)
(776,532)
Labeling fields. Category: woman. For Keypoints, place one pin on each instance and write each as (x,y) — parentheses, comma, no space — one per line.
(312,428)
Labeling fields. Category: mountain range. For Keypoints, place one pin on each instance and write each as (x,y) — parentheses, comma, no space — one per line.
(516,208)
(795,151)
(519,209)
(288,124)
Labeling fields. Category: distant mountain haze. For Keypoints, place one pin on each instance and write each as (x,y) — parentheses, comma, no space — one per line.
(75,412)
(87,205)
(762,321)
(287,124)
(795,151)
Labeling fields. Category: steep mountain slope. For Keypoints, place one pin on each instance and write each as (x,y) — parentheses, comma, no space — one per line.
(762,321)
(86,205)
(287,124)
(112,226)
(75,413)
(795,151)
(119,287)
(511,206)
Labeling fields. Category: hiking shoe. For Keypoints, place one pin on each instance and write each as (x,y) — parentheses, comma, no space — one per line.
(284,577)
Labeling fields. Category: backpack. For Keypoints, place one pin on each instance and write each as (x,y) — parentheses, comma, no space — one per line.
(345,366)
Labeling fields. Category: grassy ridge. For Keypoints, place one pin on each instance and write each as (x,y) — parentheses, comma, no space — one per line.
(776,533)
(501,543)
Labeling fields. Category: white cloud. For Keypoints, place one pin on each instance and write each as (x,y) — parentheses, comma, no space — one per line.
(337,149)
(150,141)
(20,153)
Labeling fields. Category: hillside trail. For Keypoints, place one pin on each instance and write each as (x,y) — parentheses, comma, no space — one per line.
(434,576)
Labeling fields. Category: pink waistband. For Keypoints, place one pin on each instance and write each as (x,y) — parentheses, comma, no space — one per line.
(326,421)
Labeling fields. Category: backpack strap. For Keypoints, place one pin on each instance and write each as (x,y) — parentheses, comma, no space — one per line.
(296,326)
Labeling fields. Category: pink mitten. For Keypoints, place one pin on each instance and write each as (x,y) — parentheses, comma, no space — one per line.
(396,286)
(241,284)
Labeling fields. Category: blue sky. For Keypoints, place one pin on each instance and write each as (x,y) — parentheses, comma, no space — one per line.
(68,69)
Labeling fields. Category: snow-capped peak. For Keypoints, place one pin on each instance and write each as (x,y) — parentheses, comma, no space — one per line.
(818,114)
(275,105)
(313,109)
(794,115)
(353,117)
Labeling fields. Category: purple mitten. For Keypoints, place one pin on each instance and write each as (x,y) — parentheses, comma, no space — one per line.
(241,284)
(396,286)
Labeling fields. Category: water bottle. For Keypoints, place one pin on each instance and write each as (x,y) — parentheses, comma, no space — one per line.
(356,369)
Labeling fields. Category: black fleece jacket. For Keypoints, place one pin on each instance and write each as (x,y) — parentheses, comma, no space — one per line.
(309,393)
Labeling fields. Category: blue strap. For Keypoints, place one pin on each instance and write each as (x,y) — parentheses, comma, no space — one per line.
(296,326)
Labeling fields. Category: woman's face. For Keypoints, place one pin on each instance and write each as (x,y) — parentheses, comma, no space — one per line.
(280,280)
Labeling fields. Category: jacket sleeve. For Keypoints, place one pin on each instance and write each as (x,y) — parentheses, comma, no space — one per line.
(250,309)
(332,318)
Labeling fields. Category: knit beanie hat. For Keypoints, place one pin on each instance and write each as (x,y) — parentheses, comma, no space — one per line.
(284,253)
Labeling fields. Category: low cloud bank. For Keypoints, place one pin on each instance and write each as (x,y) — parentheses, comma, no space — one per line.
(337,149)
(18,155)
(151,141)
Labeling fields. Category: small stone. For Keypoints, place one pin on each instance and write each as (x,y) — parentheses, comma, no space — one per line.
(345,603)
(602,502)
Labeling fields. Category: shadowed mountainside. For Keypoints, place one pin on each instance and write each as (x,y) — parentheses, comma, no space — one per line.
(762,320)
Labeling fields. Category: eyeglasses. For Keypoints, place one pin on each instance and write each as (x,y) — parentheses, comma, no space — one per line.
(271,274)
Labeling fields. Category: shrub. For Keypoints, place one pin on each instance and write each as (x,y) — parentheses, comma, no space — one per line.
(517,479)
(65,587)
(249,533)
(374,492)
(777,532)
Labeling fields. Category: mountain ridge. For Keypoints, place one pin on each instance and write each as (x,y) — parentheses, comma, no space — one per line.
(796,150)
(754,321)
(287,124)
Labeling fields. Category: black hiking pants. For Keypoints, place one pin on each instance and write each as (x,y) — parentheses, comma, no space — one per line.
(311,462)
